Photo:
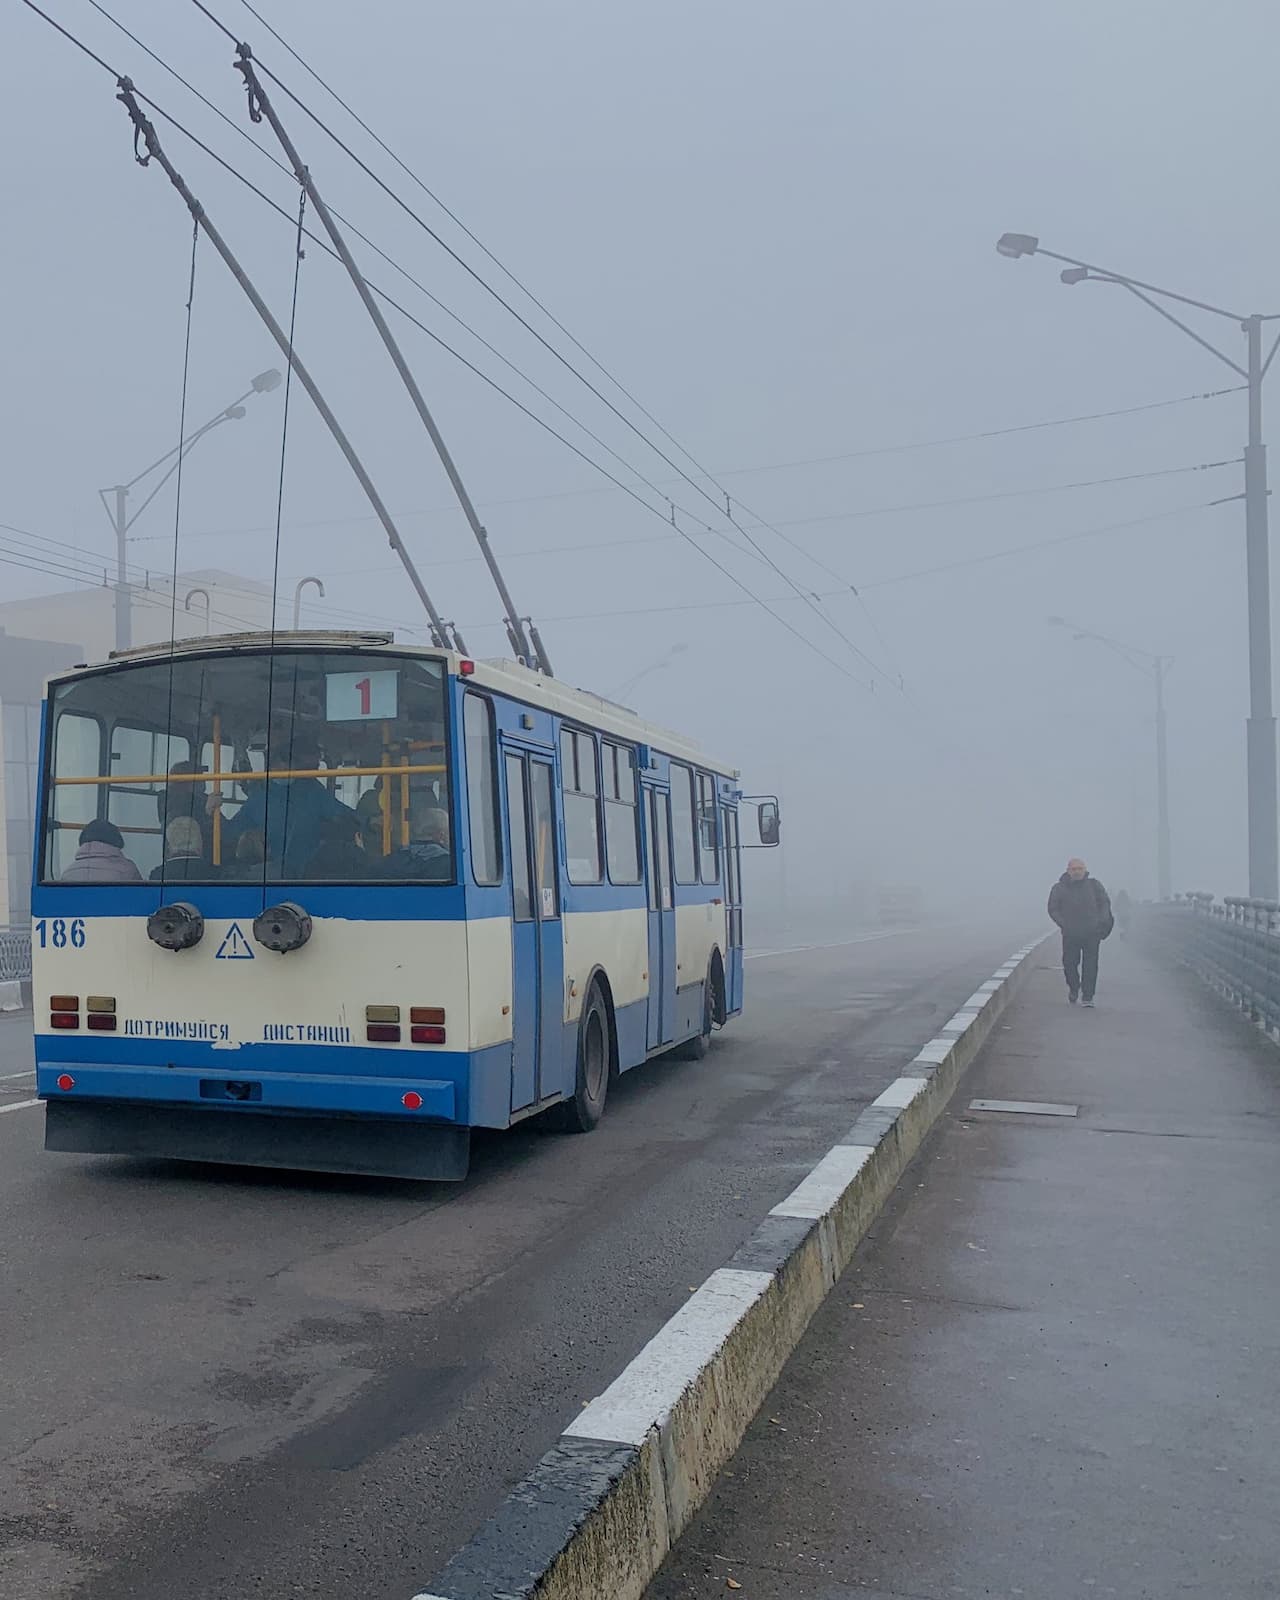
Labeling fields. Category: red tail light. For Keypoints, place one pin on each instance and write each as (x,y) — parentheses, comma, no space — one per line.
(412,1101)
(65,1019)
(422,1035)
(66,1081)
(383,1032)
(102,1022)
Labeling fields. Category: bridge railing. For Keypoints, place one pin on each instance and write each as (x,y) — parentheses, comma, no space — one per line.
(15,955)
(1233,943)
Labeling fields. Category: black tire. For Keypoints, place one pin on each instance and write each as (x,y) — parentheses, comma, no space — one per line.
(595,1063)
(695,1049)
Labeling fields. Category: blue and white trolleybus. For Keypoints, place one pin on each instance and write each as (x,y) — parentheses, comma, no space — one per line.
(325,901)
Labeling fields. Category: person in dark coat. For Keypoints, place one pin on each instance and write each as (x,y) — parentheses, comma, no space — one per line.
(1081,907)
(101,857)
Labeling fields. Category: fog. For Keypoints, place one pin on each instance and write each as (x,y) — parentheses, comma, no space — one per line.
(775,225)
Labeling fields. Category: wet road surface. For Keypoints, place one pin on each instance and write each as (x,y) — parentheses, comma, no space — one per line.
(222,1383)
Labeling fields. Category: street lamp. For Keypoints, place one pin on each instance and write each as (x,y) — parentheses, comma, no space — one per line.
(297,598)
(117,507)
(208,605)
(1143,660)
(1264,861)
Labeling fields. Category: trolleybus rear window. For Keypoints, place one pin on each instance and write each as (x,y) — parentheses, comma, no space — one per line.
(301,767)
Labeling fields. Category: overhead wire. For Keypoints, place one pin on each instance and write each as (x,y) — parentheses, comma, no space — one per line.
(984,433)
(457,221)
(720,510)
(1029,548)
(773,527)
(275,558)
(1007,494)
(126,599)
(390,261)
(752,598)
(233,171)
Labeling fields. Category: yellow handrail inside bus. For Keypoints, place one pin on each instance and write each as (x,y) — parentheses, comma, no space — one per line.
(217,789)
(114,778)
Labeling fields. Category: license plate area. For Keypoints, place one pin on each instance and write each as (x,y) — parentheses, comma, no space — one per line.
(239,1090)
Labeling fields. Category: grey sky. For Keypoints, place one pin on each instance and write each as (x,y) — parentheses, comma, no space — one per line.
(776,225)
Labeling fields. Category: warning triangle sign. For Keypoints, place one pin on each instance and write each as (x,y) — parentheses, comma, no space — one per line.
(234,947)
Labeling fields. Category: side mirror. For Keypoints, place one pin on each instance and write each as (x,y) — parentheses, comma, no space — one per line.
(768,820)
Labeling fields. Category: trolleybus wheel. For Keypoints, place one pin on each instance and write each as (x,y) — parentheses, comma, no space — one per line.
(581,1113)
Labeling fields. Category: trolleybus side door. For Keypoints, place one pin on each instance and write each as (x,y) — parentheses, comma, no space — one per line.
(537,944)
(662,919)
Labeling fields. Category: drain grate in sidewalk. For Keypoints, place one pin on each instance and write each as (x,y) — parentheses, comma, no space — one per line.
(1032,1108)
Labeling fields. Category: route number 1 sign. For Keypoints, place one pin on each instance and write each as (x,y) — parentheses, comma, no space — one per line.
(360,696)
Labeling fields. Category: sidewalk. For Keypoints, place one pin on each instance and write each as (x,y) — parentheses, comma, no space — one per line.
(1053,1368)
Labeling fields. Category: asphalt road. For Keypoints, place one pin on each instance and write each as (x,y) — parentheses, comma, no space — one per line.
(221,1383)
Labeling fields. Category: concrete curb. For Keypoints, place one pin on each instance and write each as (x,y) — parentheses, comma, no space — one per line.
(597,1515)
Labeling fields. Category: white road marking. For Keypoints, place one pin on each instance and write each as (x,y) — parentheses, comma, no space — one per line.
(900,1093)
(646,1392)
(8,1077)
(20,1105)
(818,1193)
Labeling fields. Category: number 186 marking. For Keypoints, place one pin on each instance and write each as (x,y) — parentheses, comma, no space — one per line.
(60,933)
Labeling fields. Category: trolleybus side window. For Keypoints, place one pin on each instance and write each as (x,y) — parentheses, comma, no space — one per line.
(686,861)
(733,876)
(544,840)
(521,890)
(708,844)
(621,840)
(486,857)
(581,805)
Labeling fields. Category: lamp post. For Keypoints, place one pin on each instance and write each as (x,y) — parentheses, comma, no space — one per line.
(208,605)
(117,506)
(1264,860)
(1142,660)
(297,598)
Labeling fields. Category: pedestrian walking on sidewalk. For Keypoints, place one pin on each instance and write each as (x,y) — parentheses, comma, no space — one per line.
(1081,907)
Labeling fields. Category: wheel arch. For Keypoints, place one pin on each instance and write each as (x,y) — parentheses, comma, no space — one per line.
(599,979)
(719,987)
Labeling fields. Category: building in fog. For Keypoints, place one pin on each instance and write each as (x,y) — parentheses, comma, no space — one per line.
(48,634)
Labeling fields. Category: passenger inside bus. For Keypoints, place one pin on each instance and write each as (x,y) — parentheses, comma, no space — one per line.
(427,855)
(249,854)
(341,854)
(287,812)
(181,799)
(184,855)
(100,857)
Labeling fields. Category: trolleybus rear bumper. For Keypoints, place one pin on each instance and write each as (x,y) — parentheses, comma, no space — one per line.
(373,1146)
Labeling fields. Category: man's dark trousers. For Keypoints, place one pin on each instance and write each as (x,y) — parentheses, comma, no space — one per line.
(1080,962)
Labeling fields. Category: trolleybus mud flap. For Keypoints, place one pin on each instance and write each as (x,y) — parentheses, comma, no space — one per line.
(371,1146)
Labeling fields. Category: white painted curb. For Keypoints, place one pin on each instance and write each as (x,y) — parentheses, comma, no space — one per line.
(596,1517)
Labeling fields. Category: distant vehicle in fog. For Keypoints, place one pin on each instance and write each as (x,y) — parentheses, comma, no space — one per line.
(900,906)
